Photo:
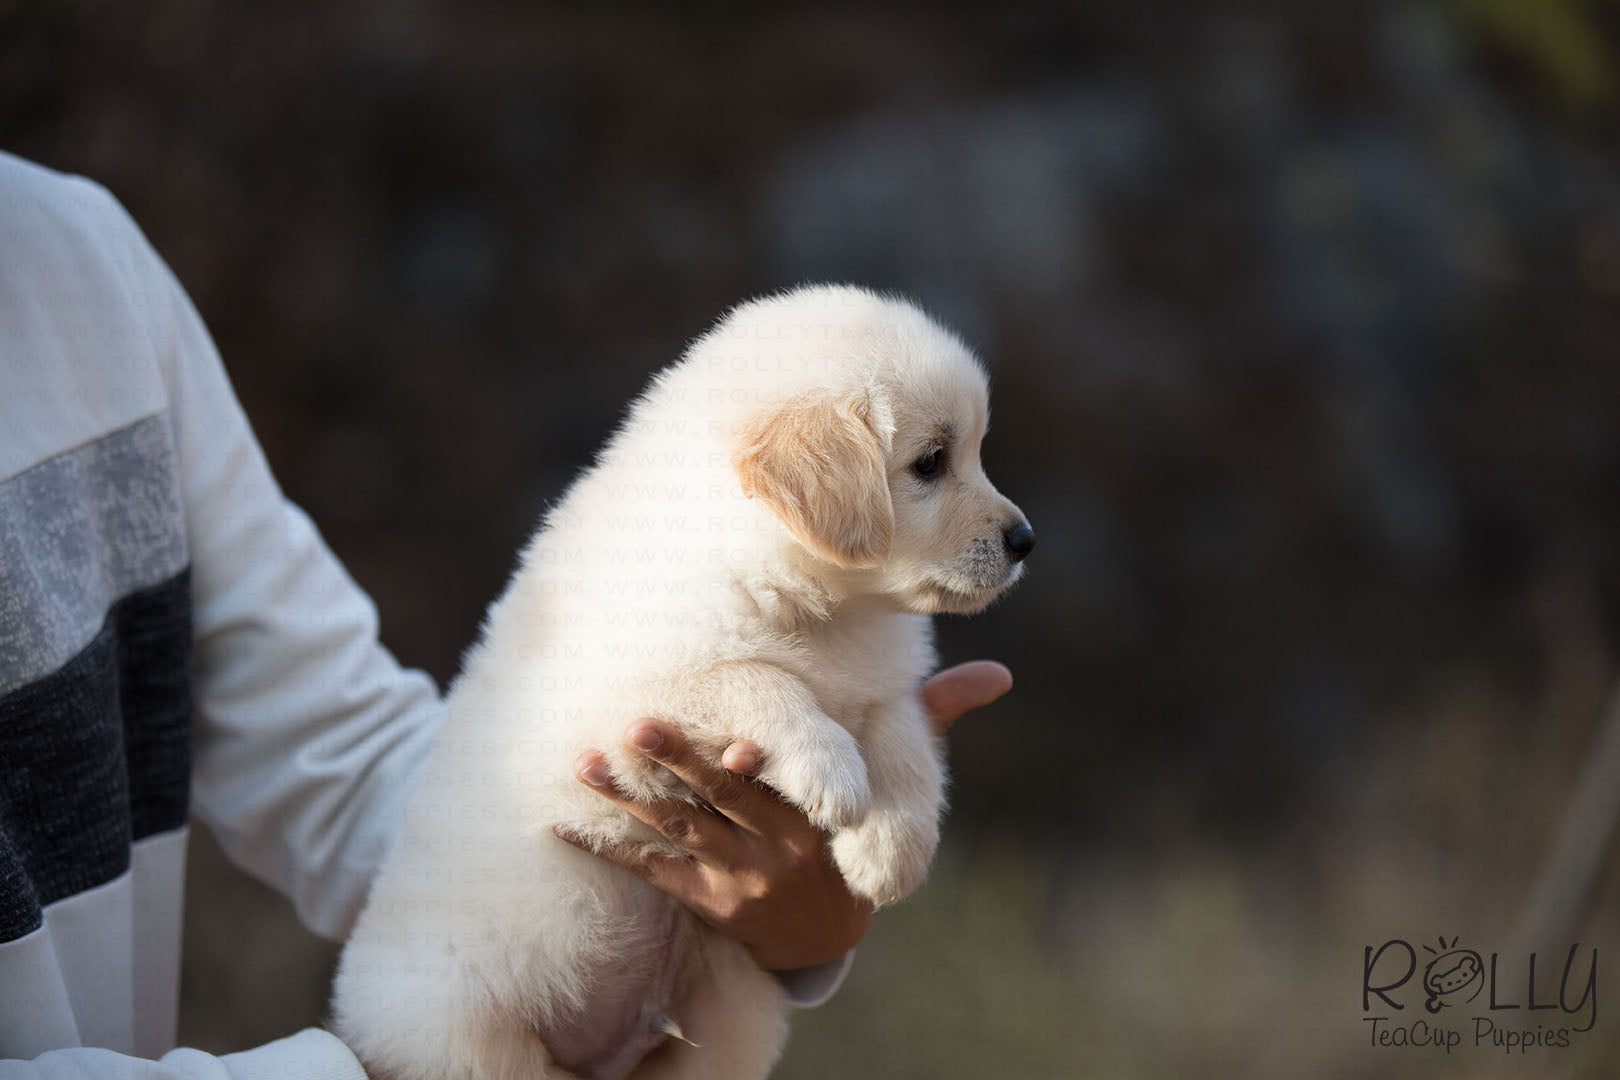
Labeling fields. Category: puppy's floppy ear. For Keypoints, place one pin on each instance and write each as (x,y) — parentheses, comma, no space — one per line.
(817,461)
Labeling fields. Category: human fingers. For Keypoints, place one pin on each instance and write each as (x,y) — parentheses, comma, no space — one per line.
(735,796)
(788,905)
(683,879)
(963,688)
(690,828)
(743,757)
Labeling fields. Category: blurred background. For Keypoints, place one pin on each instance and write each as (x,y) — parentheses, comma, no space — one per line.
(1302,323)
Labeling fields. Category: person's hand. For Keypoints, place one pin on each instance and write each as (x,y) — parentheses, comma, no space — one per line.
(755,868)
(961,689)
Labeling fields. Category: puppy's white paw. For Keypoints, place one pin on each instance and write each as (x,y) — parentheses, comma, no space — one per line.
(823,775)
(886,856)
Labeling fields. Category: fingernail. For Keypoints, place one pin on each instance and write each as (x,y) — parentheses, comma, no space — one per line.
(593,771)
(646,737)
(745,761)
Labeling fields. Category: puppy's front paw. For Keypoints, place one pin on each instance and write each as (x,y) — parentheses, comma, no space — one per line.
(823,775)
(886,856)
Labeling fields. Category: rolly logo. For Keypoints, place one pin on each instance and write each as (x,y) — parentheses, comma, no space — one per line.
(1548,1012)
(1454,977)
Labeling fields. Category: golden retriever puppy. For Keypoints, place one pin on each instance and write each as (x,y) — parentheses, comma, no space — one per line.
(754,554)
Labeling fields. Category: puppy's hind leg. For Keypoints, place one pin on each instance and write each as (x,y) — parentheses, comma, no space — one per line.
(426,1023)
(737,1017)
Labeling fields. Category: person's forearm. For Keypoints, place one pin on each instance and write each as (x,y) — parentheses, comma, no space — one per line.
(309,736)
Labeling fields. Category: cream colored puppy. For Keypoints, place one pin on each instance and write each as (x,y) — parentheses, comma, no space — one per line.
(753,555)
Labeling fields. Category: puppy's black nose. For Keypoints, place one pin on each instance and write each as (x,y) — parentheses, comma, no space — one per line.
(1020,541)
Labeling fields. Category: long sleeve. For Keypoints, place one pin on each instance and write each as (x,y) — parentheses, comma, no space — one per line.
(309,735)
(172,631)
(311,1054)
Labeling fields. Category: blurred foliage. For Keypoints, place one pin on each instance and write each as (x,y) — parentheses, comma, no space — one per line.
(1564,39)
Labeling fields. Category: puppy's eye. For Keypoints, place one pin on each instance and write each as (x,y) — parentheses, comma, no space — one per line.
(928,466)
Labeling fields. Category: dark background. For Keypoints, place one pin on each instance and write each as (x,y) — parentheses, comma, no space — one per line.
(1301,320)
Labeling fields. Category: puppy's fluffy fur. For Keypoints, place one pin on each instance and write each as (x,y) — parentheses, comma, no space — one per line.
(753,555)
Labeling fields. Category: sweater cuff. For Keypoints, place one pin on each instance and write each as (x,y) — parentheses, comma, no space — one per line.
(808,987)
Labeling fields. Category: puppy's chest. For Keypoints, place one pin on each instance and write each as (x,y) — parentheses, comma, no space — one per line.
(863,666)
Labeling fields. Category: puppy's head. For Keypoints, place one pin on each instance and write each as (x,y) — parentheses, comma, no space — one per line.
(870,456)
